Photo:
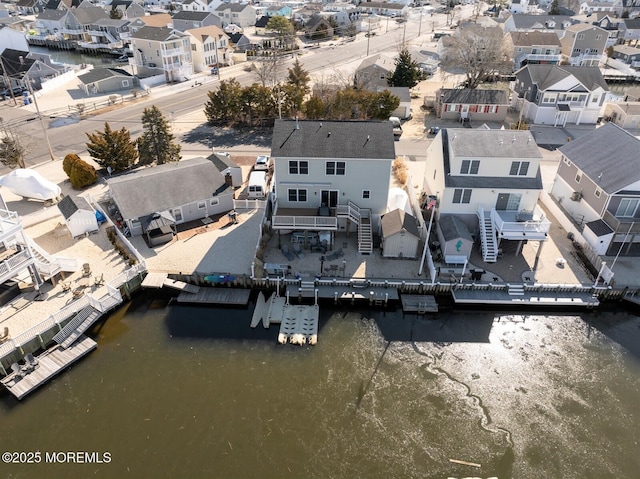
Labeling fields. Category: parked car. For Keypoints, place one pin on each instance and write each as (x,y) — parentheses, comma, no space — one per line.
(6,93)
(433,130)
(262,163)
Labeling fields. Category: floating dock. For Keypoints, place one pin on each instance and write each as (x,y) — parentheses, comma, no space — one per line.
(50,363)
(160,280)
(228,296)
(299,325)
(416,303)
(516,295)
(260,311)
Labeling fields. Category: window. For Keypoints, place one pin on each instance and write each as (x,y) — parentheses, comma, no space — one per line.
(298,167)
(578,177)
(335,168)
(202,205)
(461,196)
(213,201)
(594,99)
(297,195)
(366,194)
(549,98)
(566,160)
(519,168)
(598,37)
(125,83)
(580,36)
(598,192)
(470,167)
(627,208)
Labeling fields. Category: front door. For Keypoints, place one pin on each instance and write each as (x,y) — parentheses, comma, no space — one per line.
(177,214)
(329,198)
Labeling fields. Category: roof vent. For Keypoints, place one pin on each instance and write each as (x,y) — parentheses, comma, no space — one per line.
(501,142)
(328,134)
(513,140)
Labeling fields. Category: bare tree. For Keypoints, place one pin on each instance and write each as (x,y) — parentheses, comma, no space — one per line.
(268,68)
(478,52)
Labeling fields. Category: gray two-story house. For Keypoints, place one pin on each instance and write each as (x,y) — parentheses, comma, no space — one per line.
(598,185)
(185,20)
(584,45)
(537,47)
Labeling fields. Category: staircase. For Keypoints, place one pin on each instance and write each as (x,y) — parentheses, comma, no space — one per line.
(48,266)
(515,289)
(78,325)
(488,237)
(361,217)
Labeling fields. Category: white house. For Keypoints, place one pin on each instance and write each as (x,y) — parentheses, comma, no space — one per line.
(209,47)
(162,50)
(331,175)
(489,179)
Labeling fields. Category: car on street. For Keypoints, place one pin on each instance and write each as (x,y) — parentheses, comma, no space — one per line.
(6,93)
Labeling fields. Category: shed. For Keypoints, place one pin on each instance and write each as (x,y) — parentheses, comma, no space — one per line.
(404,95)
(79,215)
(455,239)
(599,235)
(400,235)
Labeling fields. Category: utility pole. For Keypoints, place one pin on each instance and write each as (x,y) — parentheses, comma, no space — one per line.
(44,130)
(404,34)
(420,24)
(369,35)
(215,47)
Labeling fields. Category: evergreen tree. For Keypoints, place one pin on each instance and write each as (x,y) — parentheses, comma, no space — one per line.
(382,105)
(555,8)
(114,149)
(283,30)
(314,108)
(224,104)
(299,77)
(407,72)
(82,174)
(157,142)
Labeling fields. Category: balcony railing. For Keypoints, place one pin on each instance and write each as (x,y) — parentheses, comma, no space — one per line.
(520,225)
(622,225)
(172,51)
(305,222)
(14,264)
(573,104)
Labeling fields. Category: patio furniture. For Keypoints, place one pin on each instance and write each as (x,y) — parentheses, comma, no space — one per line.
(17,371)
(297,250)
(287,254)
(86,269)
(99,281)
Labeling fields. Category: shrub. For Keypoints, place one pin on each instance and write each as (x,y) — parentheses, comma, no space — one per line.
(400,170)
(82,174)
(68,162)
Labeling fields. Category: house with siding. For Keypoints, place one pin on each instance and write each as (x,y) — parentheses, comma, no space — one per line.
(624,114)
(490,180)
(184,20)
(158,50)
(627,54)
(374,71)
(242,15)
(209,47)
(464,104)
(584,45)
(526,23)
(331,176)
(598,186)
(532,48)
(150,194)
(106,80)
(630,30)
(559,95)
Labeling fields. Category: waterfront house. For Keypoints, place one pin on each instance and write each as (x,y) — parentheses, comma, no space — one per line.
(242,15)
(149,196)
(598,186)
(331,176)
(627,54)
(99,81)
(559,95)
(162,50)
(630,30)
(79,215)
(104,34)
(535,47)
(490,180)
(159,20)
(584,45)
(527,23)
(209,47)
(624,114)
(183,21)
(10,38)
(31,7)
(399,235)
(78,23)
(608,22)
(464,104)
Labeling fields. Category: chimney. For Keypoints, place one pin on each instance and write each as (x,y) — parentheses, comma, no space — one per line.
(21,58)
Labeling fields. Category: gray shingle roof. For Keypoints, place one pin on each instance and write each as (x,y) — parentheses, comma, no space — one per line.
(68,206)
(164,187)
(158,34)
(528,21)
(453,228)
(88,15)
(333,139)
(99,74)
(632,23)
(599,228)
(609,150)
(397,220)
(187,15)
(52,14)
(480,97)
(535,38)
(546,76)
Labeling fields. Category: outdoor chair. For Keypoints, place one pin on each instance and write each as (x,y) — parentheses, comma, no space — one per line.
(297,250)
(99,281)
(86,269)
(31,360)
(15,367)
(287,254)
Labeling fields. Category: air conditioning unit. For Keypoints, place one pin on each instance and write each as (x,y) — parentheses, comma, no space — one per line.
(576,196)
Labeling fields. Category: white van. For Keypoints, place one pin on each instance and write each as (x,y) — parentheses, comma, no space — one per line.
(257,185)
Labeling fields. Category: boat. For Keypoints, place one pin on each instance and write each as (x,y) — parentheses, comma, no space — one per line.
(219,278)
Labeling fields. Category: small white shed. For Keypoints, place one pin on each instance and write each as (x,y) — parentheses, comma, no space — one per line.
(78,214)
(400,235)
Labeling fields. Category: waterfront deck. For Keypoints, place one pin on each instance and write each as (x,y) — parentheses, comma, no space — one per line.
(352,292)
(299,324)
(228,296)
(518,296)
(417,303)
(50,363)
(160,280)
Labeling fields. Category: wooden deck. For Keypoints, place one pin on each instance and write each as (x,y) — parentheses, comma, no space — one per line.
(526,298)
(50,363)
(416,303)
(160,280)
(154,280)
(359,292)
(229,296)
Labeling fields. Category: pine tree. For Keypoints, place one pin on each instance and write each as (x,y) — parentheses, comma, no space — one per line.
(225,103)
(314,108)
(113,149)
(299,77)
(407,72)
(555,8)
(157,142)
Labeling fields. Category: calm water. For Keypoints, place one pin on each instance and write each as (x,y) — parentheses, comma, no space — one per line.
(73,57)
(194,392)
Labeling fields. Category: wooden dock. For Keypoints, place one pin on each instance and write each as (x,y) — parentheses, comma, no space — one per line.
(520,297)
(347,293)
(416,303)
(160,280)
(229,296)
(277,310)
(50,363)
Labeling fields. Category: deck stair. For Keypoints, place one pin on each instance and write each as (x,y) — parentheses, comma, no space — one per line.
(47,265)
(515,289)
(307,289)
(78,325)
(488,237)
(362,218)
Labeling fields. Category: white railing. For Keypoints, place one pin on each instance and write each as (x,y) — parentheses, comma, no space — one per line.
(542,57)
(248,204)
(172,51)
(351,210)
(11,265)
(538,224)
(575,104)
(308,222)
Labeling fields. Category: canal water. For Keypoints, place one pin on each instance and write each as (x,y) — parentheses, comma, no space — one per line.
(193,392)
(73,57)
